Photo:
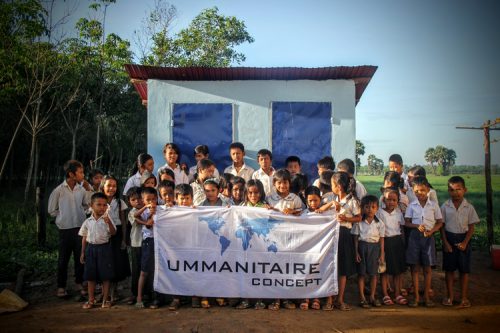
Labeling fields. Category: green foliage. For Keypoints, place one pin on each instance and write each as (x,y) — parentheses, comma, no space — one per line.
(360,151)
(443,157)
(375,165)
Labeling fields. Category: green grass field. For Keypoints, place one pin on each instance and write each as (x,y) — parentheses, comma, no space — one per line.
(476,194)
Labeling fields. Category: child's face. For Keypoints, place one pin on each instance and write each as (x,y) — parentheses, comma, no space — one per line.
(167,195)
(456,191)
(149,165)
(78,176)
(393,166)
(391,200)
(237,192)
(294,168)
(199,156)
(99,206)
(282,187)
(150,182)
(166,176)
(321,170)
(211,192)
(421,192)
(335,187)
(96,180)
(226,192)
(236,155)
(253,194)
(204,174)
(265,162)
(109,188)
(150,200)
(387,184)
(135,201)
(410,178)
(185,200)
(313,201)
(170,156)
(370,209)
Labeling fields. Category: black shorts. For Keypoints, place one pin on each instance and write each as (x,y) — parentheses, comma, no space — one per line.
(148,255)
(369,253)
(394,250)
(457,259)
(346,255)
(98,262)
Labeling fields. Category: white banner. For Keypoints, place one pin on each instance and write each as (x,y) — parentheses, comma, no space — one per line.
(245,252)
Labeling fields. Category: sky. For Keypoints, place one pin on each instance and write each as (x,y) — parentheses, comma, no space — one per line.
(438,61)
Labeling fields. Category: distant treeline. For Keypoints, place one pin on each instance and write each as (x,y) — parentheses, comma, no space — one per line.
(456,169)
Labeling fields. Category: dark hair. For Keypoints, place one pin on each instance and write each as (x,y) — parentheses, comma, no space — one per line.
(134,191)
(456,180)
(72,166)
(201,149)
(347,165)
(260,187)
(421,180)
(174,147)
(94,172)
(312,190)
(238,180)
(237,145)
(390,190)
(167,171)
(148,175)
(264,152)
(367,200)
(149,190)
(298,183)
(212,181)
(141,160)
(345,181)
(166,184)
(417,171)
(394,178)
(117,194)
(396,158)
(204,164)
(98,195)
(325,181)
(326,162)
(225,181)
(292,158)
(282,175)
(183,189)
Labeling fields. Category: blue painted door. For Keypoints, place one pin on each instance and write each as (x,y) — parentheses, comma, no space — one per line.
(303,129)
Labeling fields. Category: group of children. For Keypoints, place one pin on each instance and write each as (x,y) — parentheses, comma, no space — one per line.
(377,236)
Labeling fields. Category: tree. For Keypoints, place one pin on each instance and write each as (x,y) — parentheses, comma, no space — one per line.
(443,157)
(375,165)
(360,151)
(430,156)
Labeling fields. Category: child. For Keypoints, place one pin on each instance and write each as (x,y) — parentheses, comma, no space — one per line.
(347,165)
(298,186)
(390,214)
(239,168)
(68,203)
(266,171)
(392,179)
(369,247)
(313,200)
(166,174)
(212,189)
(206,169)
(144,162)
(293,165)
(95,179)
(459,218)
(201,152)
(116,211)
(135,201)
(424,218)
(145,216)
(148,180)
(326,163)
(414,172)
(349,212)
(97,255)
(325,186)
(172,153)
(237,190)
(227,187)
(166,191)
(396,164)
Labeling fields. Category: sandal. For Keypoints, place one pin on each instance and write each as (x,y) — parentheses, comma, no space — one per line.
(131,300)
(243,305)
(401,300)
(464,304)
(154,305)
(343,307)
(221,301)
(106,305)
(375,302)
(403,292)
(316,305)
(205,304)
(364,304)
(138,305)
(327,307)
(429,304)
(413,304)
(447,302)
(61,293)
(89,304)
(289,305)
(174,305)
(275,306)
(387,300)
(195,302)
(259,305)
(304,305)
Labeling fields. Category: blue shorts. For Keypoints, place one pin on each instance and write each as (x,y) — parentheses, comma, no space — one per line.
(421,250)
(369,253)
(148,255)
(456,260)
(98,262)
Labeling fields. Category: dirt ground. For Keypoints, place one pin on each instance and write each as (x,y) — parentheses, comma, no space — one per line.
(49,314)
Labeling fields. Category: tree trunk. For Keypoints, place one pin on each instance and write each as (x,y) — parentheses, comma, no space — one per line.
(73,145)
(96,165)
(31,165)
(35,170)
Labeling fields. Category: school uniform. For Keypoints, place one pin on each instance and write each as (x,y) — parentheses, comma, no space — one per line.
(368,245)
(120,256)
(198,193)
(245,172)
(180,176)
(456,224)
(361,191)
(346,252)
(265,179)
(135,250)
(218,203)
(98,252)
(422,250)
(134,181)
(291,201)
(148,245)
(393,241)
(194,169)
(68,206)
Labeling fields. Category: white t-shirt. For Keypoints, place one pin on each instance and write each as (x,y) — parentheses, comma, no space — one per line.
(426,215)
(458,220)
(96,231)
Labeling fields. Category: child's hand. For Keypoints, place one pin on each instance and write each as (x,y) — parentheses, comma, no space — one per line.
(358,258)
(289,211)
(461,246)
(428,233)
(341,218)
(149,223)
(82,258)
(86,185)
(106,219)
(421,228)
(381,259)
(447,247)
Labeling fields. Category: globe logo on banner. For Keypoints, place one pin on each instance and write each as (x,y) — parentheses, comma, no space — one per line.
(247,229)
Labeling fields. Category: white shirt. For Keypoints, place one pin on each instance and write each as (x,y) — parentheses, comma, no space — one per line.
(406,185)
(68,205)
(350,208)
(114,210)
(426,215)
(180,176)
(193,170)
(360,190)
(369,232)
(265,179)
(458,220)
(147,232)
(403,201)
(136,230)
(392,221)
(246,172)
(97,232)
(198,193)
(135,180)
(291,201)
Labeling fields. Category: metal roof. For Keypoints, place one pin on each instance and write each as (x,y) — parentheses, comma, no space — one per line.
(139,75)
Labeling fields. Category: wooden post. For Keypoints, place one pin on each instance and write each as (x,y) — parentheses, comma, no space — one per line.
(41,217)
(487,175)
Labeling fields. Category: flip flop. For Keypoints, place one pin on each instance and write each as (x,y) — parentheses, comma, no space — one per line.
(327,307)
(304,305)
(62,294)
(88,305)
(316,305)
(401,300)
(447,302)
(387,300)
(174,305)
(464,304)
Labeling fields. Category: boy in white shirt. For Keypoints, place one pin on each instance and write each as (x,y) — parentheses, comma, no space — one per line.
(239,168)
(266,171)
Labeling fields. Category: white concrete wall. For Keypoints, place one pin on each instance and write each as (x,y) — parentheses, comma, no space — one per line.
(252,104)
